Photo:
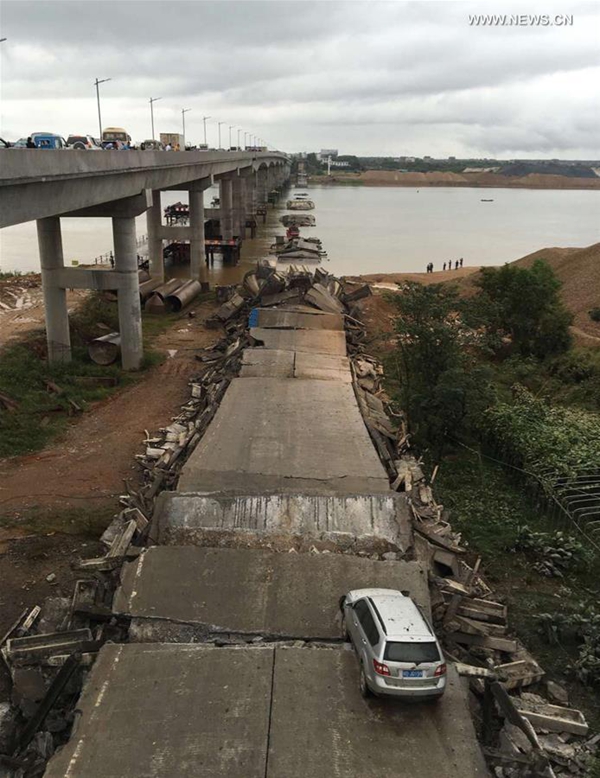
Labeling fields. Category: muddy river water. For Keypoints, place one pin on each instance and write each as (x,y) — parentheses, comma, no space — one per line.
(376,229)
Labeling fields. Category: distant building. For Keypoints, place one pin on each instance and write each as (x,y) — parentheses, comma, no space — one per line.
(324,153)
(451,159)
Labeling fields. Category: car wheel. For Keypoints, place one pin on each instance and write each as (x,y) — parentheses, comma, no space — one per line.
(364,686)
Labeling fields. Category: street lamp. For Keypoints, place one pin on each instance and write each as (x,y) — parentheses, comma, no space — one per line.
(204,118)
(231,127)
(238,144)
(245,140)
(97,83)
(183,113)
(152,101)
(220,123)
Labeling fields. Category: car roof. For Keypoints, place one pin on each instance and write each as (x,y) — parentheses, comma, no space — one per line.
(402,619)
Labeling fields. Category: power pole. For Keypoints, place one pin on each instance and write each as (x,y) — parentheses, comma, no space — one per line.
(97,83)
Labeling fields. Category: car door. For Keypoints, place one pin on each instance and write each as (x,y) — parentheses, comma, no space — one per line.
(367,635)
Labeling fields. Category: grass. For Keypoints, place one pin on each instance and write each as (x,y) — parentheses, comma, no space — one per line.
(488,507)
(41,414)
(87,520)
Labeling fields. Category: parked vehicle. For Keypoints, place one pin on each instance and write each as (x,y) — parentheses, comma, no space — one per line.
(83,142)
(48,140)
(398,652)
(115,138)
(4,144)
(20,144)
(172,139)
(152,145)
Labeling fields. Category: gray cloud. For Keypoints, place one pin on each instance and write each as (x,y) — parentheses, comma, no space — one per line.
(369,78)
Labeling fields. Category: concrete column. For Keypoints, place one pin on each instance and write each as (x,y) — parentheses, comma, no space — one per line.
(251,196)
(130,311)
(226,208)
(261,185)
(197,258)
(155,244)
(239,210)
(55,298)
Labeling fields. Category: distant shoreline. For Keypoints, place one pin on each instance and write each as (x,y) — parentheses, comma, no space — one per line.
(392,178)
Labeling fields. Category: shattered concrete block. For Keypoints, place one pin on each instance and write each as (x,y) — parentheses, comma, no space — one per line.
(557,693)
(8,727)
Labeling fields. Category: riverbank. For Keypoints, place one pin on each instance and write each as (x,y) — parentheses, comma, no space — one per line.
(447,179)
(578,270)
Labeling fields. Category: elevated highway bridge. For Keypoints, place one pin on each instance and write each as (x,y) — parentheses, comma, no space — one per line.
(44,186)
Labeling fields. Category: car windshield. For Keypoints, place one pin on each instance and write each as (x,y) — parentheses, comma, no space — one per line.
(412,652)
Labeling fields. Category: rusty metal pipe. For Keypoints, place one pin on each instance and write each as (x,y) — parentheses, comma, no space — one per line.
(183,296)
(105,350)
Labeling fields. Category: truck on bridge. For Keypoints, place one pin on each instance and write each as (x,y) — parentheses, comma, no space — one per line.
(173,139)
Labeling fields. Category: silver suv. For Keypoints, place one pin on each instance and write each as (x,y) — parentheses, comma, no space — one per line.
(398,653)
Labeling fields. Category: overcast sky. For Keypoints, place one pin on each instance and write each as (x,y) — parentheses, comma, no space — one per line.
(368,78)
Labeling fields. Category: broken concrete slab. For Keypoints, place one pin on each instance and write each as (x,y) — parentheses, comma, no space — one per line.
(323,366)
(314,341)
(321,298)
(256,712)
(250,592)
(285,436)
(283,521)
(171,710)
(552,718)
(267,363)
(274,363)
(280,318)
(323,728)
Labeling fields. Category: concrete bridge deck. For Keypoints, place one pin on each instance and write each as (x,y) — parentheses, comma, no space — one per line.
(165,710)
(283,457)
(35,183)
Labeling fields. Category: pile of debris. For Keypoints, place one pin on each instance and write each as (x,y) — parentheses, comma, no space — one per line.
(16,292)
(47,652)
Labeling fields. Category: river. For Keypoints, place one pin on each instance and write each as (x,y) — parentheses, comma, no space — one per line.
(376,229)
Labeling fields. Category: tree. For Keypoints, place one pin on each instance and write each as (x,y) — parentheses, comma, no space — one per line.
(523,305)
(443,389)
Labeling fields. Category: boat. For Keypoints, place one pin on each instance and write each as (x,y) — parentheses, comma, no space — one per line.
(486,201)
(300,204)
(299,219)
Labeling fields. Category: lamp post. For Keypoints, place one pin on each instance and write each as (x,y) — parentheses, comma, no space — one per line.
(231,127)
(183,113)
(152,101)
(204,118)
(238,143)
(220,123)
(97,83)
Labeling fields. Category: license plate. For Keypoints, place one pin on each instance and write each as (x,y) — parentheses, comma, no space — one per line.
(412,673)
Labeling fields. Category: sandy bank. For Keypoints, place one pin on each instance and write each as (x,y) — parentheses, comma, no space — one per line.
(438,178)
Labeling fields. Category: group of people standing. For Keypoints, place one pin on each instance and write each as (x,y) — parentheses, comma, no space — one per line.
(458,263)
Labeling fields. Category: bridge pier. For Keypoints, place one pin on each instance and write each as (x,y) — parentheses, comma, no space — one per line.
(262,186)
(130,310)
(55,296)
(197,238)
(155,243)
(239,211)
(226,207)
